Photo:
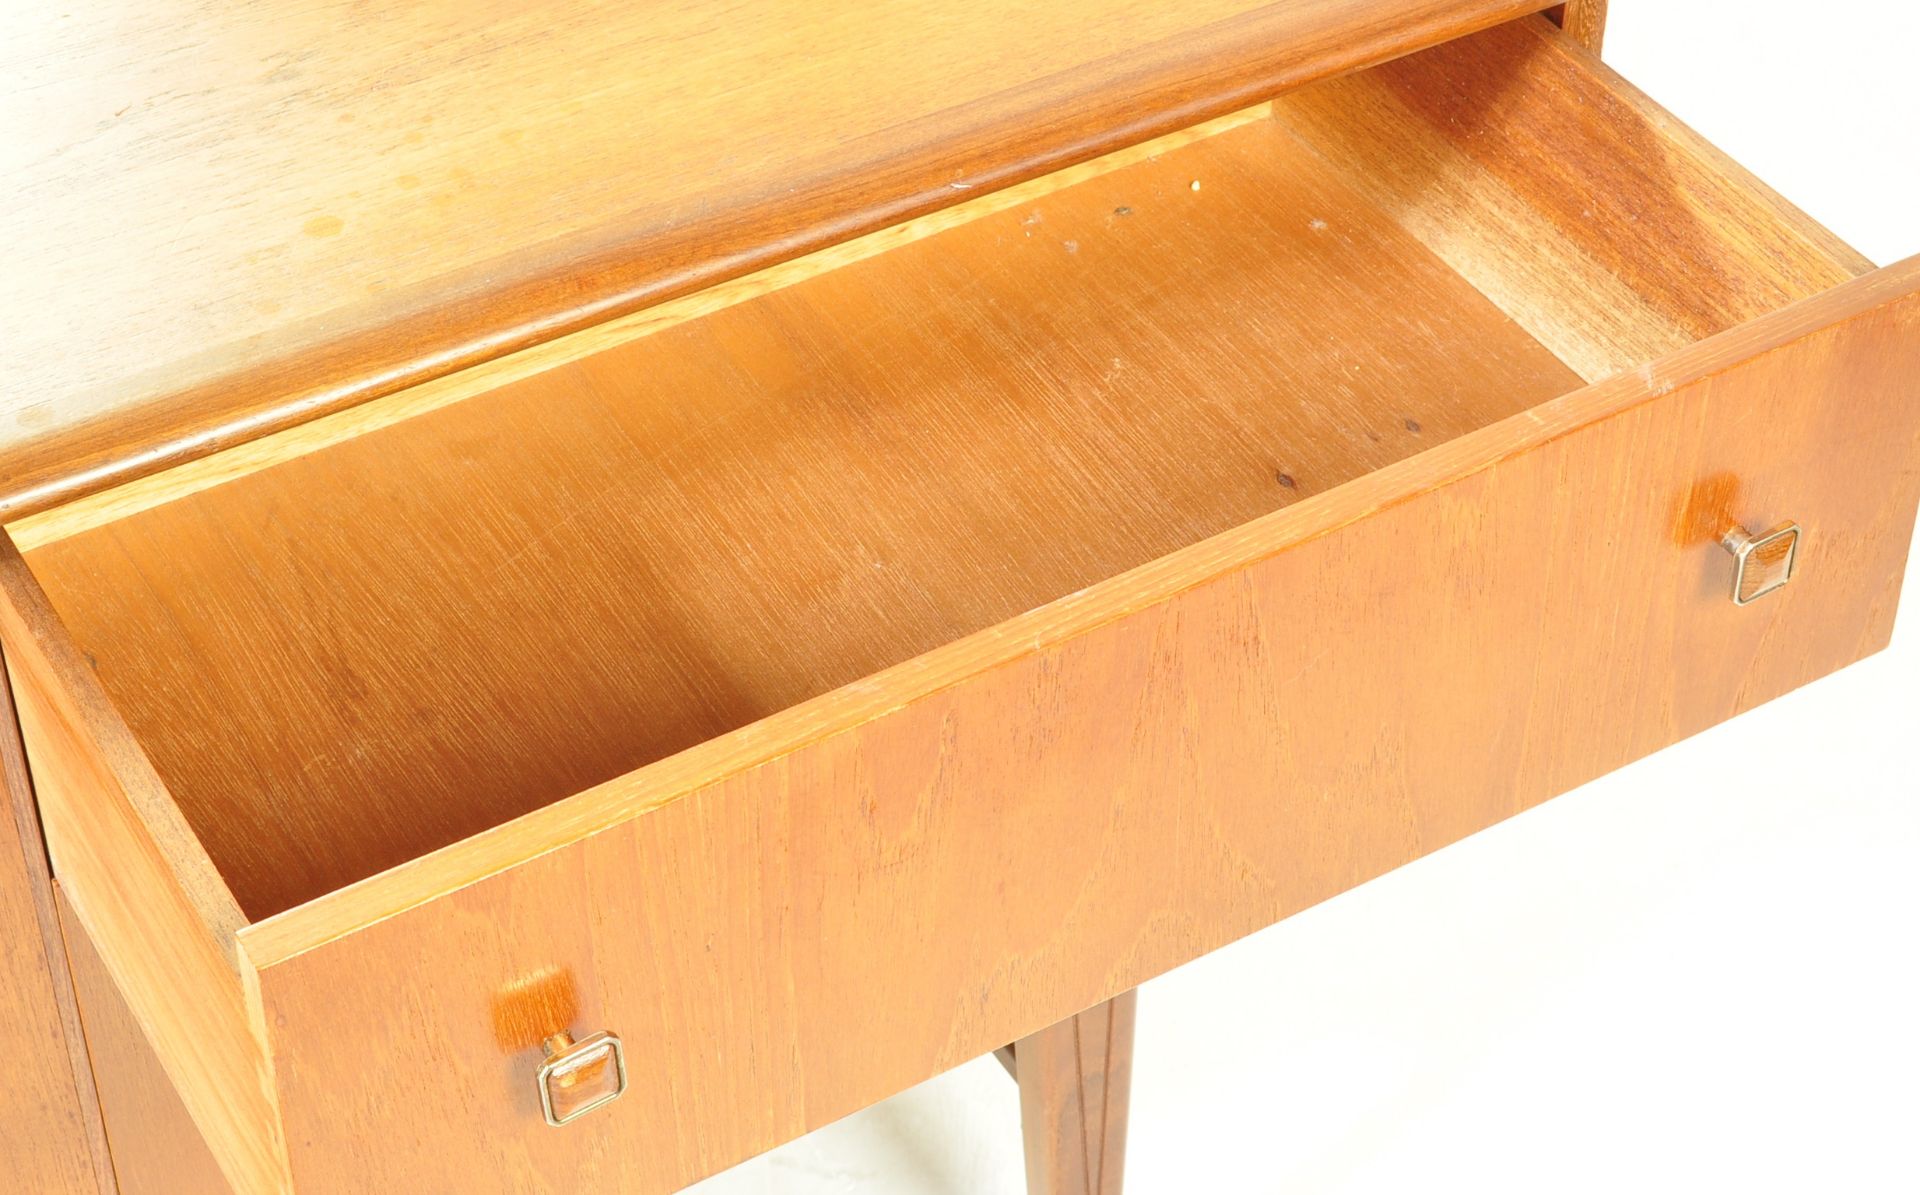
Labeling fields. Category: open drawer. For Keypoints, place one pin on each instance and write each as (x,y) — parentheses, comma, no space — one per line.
(832,676)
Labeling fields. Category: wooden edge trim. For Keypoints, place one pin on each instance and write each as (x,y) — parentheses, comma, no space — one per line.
(585,814)
(33,850)
(1210,72)
(1584,20)
(156,489)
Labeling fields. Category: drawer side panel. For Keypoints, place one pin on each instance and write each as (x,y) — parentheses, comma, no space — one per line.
(148,898)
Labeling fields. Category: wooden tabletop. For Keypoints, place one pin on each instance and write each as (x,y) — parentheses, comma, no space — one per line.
(226,219)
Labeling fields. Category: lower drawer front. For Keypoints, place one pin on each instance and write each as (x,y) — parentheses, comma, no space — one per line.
(1108,787)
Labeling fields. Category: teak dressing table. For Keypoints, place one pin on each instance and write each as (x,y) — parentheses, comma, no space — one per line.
(589,590)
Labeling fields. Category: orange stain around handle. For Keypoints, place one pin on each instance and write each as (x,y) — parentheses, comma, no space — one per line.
(534,1007)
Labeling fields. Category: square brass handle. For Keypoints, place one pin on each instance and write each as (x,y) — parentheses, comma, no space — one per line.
(1762,563)
(579,1076)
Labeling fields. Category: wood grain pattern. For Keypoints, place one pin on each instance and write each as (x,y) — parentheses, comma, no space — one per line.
(157,1150)
(354,204)
(1074,1081)
(51,1142)
(142,887)
(508,600)
(920,838)
(1606,228)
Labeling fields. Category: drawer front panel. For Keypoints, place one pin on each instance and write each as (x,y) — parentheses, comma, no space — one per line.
(891,880)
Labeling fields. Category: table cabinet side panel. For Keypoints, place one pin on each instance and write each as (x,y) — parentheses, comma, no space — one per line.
(156,1147)
(50,1139)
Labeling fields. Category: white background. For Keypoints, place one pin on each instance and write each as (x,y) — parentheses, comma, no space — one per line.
(1696,975)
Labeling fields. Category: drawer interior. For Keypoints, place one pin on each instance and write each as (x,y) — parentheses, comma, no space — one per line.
(353,655)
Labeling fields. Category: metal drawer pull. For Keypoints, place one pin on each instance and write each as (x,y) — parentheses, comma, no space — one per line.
(579,1076)
(1762,563)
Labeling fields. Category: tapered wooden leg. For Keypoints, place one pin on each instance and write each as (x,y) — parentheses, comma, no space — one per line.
(1073,1080)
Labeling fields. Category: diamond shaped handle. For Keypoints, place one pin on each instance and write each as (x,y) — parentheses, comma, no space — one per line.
(1762,563)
